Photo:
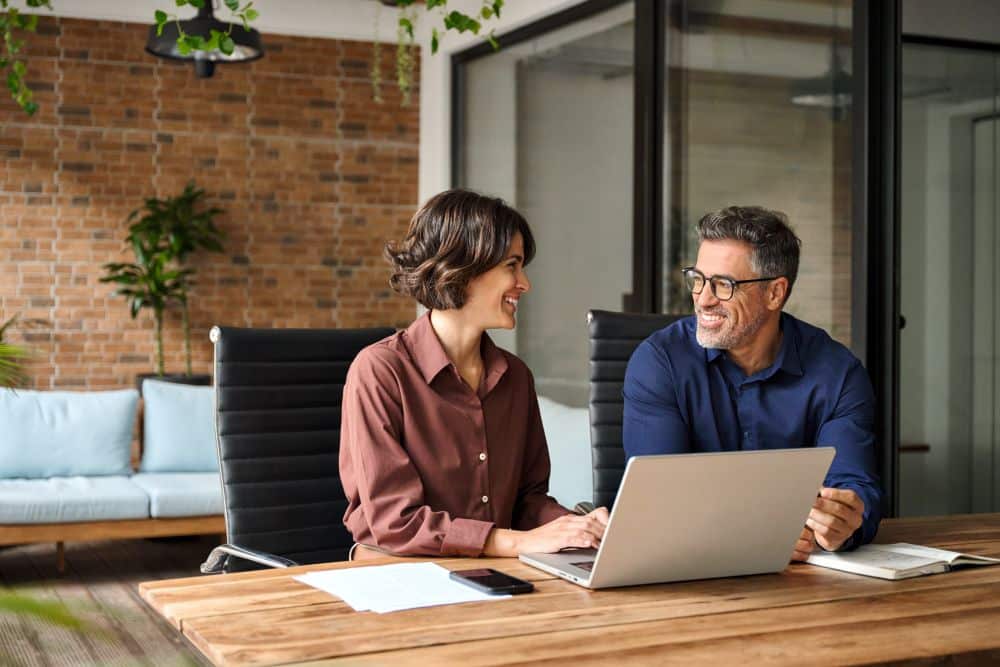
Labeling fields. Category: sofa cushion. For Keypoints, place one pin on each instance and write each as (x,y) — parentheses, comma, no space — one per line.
(181,494)
(66,433)
(567,431)
(178,428)
(69,499)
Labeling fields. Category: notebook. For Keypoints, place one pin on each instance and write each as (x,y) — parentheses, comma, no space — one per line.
(897,561)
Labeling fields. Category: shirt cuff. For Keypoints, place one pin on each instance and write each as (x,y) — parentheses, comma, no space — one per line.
(466,537)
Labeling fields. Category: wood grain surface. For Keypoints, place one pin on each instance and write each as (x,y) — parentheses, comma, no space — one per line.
(804,614)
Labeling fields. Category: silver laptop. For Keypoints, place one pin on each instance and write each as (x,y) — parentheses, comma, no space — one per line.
(699,516)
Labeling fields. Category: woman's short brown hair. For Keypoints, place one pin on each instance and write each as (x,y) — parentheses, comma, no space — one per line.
(454,237)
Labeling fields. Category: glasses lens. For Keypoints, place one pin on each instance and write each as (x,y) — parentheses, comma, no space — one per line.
(723,289)
(695,281)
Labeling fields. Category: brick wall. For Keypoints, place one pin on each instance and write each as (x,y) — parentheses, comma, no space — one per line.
(313,175)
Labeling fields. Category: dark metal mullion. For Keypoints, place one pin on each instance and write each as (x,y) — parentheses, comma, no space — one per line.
(458,90)
(647,177)
(875,256)
(951,43)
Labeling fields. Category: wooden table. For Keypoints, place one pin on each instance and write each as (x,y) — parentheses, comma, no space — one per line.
(805,615)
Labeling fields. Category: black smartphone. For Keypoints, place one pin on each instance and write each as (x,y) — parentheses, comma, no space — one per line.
(492,581)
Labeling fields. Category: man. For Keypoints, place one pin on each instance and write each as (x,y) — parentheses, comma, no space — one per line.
(741,374)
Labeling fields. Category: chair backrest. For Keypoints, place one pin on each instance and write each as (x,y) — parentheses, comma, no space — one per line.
(278,399)
(613,338)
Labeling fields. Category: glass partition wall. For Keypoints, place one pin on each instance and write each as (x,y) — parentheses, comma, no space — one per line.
(613,148)
(757,97)
(950,288)
(548,127)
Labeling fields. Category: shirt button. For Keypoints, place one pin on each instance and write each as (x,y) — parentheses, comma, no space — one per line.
(486,499)
(482,456)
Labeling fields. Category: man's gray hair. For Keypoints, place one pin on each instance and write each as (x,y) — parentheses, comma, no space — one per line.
(775,246)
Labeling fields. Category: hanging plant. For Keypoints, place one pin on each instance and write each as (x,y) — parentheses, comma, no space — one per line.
(218,40)
(405,47)
(14,22)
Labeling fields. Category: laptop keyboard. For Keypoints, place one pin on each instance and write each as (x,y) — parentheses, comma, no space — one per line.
(587,565)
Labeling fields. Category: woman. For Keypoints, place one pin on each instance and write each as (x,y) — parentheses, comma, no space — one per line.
(442,450)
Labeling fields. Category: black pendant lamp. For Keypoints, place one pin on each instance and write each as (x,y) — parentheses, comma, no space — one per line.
(248,45)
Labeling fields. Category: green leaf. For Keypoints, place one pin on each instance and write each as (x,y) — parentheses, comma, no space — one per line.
(251,14)
(161,18)
(434,40)
(183,46)
(196,3)
(493,41)
(19,68)
(213,41)
(497,5)
(406,25)
(227,45)
(404,3)
(486,12)
(181,3)
(431,4)
(233,5)
(461,22)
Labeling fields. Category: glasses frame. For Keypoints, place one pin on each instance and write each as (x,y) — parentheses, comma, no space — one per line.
(710,280)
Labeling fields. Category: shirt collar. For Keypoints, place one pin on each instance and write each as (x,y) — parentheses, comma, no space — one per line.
(788,358)
(429,356)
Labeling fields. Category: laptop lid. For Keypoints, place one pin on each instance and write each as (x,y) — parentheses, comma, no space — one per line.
(698,516)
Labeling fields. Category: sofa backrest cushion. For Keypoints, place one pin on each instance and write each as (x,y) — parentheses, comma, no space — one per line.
(66,433)
(567,431)
(178,428)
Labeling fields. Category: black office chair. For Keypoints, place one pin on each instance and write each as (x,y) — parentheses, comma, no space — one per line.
(613,338)
(278,397)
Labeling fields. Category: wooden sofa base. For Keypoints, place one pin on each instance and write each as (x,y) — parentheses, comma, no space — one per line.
(108,530)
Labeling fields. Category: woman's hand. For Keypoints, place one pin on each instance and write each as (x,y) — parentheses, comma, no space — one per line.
(571,530)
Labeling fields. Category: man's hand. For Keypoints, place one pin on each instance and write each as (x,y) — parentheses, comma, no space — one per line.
(835,515)
(804,545)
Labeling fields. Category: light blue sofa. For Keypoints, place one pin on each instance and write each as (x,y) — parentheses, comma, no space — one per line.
(567,432)
(66,473)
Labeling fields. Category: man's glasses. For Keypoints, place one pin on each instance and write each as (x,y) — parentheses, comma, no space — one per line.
(723,288)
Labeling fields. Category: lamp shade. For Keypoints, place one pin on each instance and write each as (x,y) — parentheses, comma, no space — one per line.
(831,90)
(247,42)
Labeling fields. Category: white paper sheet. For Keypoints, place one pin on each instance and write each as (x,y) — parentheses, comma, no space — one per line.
(385,588)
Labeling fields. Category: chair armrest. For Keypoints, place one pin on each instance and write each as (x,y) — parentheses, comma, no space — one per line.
(217,558)
(584,507)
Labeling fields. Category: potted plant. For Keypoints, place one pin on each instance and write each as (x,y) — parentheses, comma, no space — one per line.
(148,282)
(177,228)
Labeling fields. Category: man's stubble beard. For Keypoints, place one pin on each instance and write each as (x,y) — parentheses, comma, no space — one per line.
(728,339)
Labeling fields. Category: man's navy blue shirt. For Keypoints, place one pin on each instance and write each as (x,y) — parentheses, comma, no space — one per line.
(681,397)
